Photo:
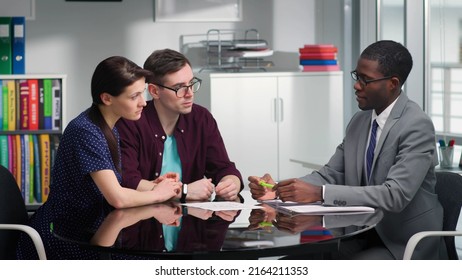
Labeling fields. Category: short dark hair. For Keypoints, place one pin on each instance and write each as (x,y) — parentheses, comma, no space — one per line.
(163,62)
(393,58)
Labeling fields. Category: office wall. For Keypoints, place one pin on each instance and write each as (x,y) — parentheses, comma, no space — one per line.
(72,37)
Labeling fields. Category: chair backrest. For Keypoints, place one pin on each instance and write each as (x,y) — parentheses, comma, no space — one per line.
(449,190)
(12,211)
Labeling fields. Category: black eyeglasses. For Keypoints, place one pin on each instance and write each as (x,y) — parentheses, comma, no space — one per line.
(182,90)
(365,82)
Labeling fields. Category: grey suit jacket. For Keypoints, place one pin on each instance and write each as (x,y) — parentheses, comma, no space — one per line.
(402,182)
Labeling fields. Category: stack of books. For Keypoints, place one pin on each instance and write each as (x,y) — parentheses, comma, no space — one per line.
(30,158)
(318,58)
(30,104)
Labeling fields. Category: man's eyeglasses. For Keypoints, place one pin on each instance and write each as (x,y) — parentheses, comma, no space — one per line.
(365,82)
(182,90)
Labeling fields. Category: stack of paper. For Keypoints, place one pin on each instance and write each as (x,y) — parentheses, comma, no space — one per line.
(316,208)
(221,205)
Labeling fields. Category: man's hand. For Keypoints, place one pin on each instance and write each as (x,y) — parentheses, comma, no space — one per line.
(298,191)
(200,190)
(228,188)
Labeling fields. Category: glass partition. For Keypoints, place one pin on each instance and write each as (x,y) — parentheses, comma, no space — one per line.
(445,87)
(391,20)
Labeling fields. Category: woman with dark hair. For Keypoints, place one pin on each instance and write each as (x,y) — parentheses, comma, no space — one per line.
(87,167)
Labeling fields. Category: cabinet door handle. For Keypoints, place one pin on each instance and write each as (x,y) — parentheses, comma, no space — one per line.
(281,110)
(278,104)
(275,110)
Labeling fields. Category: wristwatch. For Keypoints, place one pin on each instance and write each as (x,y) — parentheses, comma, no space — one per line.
(184,192)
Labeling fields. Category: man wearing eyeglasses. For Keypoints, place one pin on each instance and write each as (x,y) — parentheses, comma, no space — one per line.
(386,160)
(176,136)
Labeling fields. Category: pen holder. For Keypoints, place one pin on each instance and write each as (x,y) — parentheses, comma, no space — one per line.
(460,161)
(446,155)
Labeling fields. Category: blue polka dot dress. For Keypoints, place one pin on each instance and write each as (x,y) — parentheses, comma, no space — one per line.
(82,150)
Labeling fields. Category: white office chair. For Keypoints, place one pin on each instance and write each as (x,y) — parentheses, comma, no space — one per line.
(449,190)
(415,239)
(33,234)
(13,218)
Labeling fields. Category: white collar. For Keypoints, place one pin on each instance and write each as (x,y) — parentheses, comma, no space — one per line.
(382,118)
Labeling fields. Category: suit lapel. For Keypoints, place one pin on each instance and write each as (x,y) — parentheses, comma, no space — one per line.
(361,146)
(395,114)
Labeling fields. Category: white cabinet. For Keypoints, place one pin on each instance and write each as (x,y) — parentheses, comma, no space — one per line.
(278,123)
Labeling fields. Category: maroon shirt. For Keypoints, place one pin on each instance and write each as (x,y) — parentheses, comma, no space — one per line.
(199,142)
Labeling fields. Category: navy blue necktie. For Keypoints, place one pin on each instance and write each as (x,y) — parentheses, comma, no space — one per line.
(371,148)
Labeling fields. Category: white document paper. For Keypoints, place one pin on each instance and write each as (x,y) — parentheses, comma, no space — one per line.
(321,209)
(221,205)
(278,202)
(315,208)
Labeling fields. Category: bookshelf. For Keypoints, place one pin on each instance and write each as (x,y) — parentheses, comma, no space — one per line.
(32,121)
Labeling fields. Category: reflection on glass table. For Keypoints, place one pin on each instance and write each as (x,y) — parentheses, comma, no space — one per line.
(173,231)
(269,228)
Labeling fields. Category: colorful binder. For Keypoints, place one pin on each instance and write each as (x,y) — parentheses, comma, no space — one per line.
(5,46)
(45,164)
(11,104)
(1,105)
(54,143)
(41,105)
(33,104)
(22,163)
(5,105)
(11,154)
(18,48)
(23,105)
(37,170)
(4,150)
(56,106)
(17,159)
(31,168)
(48,103)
